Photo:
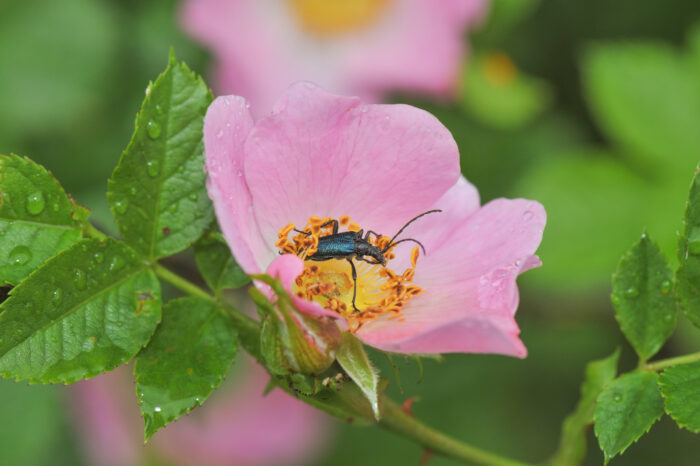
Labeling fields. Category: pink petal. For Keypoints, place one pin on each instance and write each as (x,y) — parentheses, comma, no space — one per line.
(419,49)
(324,155)
(470,291)
(226,125)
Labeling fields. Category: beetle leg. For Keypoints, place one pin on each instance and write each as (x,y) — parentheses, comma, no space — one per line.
(370,232)
(302,232)
(365,260)
(334,223)
(354,281)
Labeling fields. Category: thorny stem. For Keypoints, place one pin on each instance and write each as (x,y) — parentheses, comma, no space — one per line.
(664,363)
(393,419)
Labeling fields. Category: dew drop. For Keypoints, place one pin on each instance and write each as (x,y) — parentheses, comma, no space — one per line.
(116,263)
(694,241)
(35,203)
(153,129)
(121,206)
(617,397)
(133,190)
(153,168)
(173,208)
(615,299)
(159,109)
(665,287)
(193,196)
(632,292)
(56,207)
(99,257)
(527,215)
(20,255)
(156,409)
(79,279)
(57,296)
(668,317)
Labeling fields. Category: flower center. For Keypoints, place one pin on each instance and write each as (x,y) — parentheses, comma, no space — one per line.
(333,17)
(327,277)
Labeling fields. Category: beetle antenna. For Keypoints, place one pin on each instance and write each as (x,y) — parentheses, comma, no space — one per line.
(391,242)
(407,239)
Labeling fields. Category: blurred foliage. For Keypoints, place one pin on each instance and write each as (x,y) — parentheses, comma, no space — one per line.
(600,126)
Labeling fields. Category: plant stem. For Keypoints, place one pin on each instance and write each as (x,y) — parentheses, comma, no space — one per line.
(664,363)
(395,419)
(182,283)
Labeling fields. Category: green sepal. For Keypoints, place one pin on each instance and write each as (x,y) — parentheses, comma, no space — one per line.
(626,410)
(680,386)
(83,312)
(36,218)
(645,306)
(157,192)
(354,360)
(572,442)
(186,359)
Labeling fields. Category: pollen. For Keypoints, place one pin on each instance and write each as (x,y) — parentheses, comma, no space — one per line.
(381,291)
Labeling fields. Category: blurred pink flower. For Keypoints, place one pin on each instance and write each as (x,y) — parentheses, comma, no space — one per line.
(237,425)
(321,155)
(352,47)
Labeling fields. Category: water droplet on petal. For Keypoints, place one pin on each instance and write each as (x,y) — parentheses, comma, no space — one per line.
(220,134)
(35,203)
(79,279)
(121,206)
(153,129)
(20,255)
(527,215)
(632,292)
(153,168)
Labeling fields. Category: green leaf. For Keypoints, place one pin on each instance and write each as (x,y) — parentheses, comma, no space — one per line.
(626,410)
(643,299)
(85,311)
(36,218)
(572,444)
(688,276)
(217,265)
(646,98)
(185,361)
(498,94)
(157,191)
(680,386)
(354,360)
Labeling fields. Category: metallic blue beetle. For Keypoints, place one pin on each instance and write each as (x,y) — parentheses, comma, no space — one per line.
(351,245)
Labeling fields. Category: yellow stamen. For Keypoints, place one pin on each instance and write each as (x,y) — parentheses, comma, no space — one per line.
(380,290)
(332,17)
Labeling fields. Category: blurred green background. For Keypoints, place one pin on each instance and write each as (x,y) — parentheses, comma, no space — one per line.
(589,106)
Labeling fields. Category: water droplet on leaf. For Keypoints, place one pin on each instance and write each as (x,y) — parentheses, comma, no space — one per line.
(20,255)
(57,296)
(133,191)
(632,292)
(173,208)
(159,110)
(121,206)
(153,129)
(193,196)
(116,263)
(156,409)
(35,203)
(665,287)
(615,299)
(617,397)
(79,279)
(99,257)
(694,241)
(153,168)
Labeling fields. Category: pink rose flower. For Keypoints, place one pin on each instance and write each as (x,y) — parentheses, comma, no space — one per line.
(237,425)
(373,166)
(353,47)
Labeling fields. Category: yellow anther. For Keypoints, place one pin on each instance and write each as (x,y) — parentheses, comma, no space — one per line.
(414,256)
(354,227)
(344,220)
